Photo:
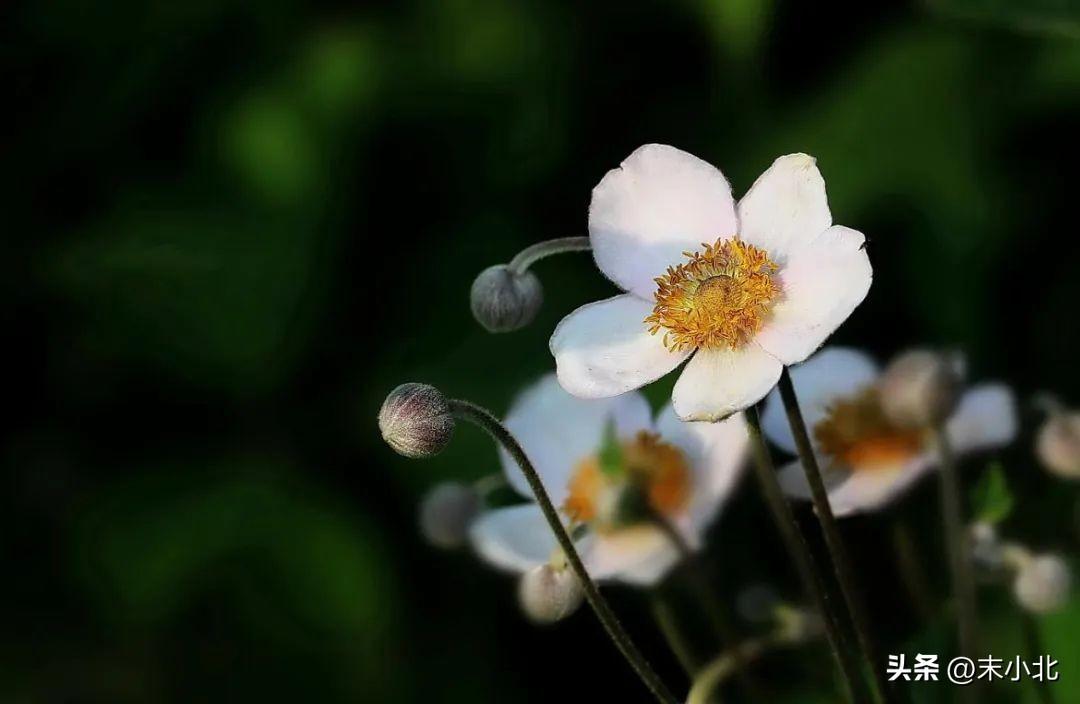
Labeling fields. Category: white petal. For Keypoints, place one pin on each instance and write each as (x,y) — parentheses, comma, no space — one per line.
(872,489)
(604,349)
(514,539)
(640,555)
(660,203)
(822,283)
(717,453)
(717,383)
(557,431)
(832,373)
(854,492)
(786,207)
(985,418)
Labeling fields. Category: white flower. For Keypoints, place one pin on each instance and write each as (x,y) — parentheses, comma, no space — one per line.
(682,471)
(866,460)
(740,291)
(1042,583)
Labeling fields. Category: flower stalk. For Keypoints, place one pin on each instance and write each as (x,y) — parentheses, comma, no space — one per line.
(845,574)
(799,551)
(535,252)
(963,578)
(485,420)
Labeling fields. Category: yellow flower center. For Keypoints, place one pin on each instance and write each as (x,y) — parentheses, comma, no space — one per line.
(719,298)
(652,469)
(856,433)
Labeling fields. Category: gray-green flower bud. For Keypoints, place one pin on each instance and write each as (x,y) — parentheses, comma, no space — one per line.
(1058,444)
(446,513)
(1042,584)
(504,300)
(920,388)
(416,420)
(549,593)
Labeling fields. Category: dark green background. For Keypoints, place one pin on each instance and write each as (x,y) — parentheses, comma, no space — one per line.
(230,228)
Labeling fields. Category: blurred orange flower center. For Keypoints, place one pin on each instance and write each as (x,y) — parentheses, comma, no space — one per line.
(856,433)
(651,469)
(719,298)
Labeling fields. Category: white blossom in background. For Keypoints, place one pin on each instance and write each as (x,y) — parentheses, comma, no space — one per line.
(867,460)
(680,471)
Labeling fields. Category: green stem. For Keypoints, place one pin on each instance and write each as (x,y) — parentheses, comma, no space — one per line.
(535,252)
(699,582)
(963,577)
(484,419)
(1034,646)
(911,569)
(668,623)
(799,551)
(845,574)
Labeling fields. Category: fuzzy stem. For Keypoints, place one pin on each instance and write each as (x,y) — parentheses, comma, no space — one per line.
(845,574)
(535,252)
(963,579)
(484,419)
(799,552)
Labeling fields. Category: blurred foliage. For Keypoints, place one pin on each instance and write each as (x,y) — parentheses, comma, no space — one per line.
(233,228)
(991,500)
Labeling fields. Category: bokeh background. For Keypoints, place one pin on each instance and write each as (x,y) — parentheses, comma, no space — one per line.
(230,228)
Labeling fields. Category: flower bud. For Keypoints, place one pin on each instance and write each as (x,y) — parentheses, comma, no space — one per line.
(1058,444)
(503,300)
(415,420)
(549,593)
(446,513)
(1042,584)
(986,548)
(919,388)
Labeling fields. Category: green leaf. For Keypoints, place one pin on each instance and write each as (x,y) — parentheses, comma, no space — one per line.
(611,454)
(991,498)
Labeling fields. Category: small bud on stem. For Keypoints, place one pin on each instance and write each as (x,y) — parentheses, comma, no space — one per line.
(446,513)
(549,593)
(416,420)
(1058,443)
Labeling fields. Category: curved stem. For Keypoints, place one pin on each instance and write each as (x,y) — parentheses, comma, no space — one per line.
(535,252)
(721,668)
(699,582)
(799,551)
(485,420)
(845,574)
(963,578)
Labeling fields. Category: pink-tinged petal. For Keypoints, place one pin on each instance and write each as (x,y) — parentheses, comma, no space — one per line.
(717,383)
(605,349)
(785,208)
(831,374)
(557,431)
(658,204)
(822,284)
(857,491)
(985,418)
(640,555)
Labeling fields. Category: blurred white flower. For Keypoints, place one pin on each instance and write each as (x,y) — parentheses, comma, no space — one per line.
(743,290)
(1057,444)
(681,471)
(1042,583)
(867,460)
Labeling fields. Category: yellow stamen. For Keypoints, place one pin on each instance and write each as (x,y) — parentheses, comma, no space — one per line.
(651,465)
(719,298)
(857,433)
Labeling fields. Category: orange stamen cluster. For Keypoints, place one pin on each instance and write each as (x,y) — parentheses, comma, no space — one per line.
(856,433)
(657,468)
(719,298)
